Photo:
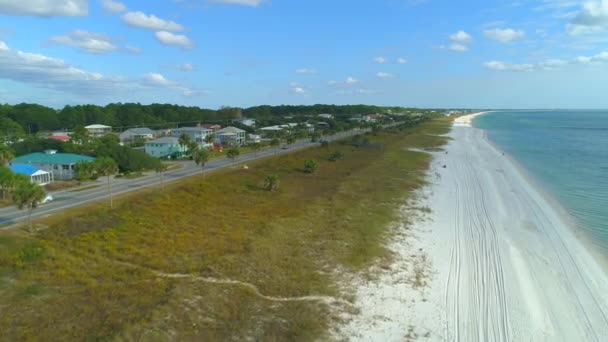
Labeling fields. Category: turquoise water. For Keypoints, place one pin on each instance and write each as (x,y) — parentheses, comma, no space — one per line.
(567,153)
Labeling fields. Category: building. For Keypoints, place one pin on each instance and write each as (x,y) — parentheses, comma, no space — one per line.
(98,131)
(254,138)
(245,121)
(230,136)
(64,138)
(60,165)
(196,134)
(40,177)
(166,147)
(373,117)
(134,134)
(326,116)
(212,127)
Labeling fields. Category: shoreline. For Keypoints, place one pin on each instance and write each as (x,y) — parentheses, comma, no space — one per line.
(506,264)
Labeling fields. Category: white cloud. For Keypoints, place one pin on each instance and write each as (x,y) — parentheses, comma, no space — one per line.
(458,47)
(251,3)
(150,22)
(156,80)
(461,37)
(384,75)
(351,81)
(503,66)
(45,8)
(583,59)
(592,17)
(552,64)
(88,42)
(297,88)
(168,38)
(133,49)
(186,67)
(305,71)
(504,35)
(380,60)
(401,60)
(595,59)
(113,6)
(51,73)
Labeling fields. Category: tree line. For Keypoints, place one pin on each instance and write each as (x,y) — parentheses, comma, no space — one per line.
(25,118)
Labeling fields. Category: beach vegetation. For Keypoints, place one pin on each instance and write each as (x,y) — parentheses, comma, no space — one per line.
(216,257)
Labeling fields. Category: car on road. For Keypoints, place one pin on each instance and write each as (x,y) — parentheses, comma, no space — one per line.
(48,198)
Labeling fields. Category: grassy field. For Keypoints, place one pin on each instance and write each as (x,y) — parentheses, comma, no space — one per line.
(214,257)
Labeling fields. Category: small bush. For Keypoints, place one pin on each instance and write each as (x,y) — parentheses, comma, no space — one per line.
(310,166)
(336,156)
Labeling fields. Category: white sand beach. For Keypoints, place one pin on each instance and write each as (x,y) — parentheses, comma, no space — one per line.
(505,263)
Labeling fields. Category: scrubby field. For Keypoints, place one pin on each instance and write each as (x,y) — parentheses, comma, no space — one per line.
(215,257)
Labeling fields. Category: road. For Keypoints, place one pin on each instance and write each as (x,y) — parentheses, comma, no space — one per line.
(69,198)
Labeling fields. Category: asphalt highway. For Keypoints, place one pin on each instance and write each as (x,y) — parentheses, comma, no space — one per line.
(96,191)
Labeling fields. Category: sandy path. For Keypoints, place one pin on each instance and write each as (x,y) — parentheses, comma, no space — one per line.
(507,265)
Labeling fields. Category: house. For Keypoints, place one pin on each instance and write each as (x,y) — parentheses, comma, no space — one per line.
(273,129)
(230,136)
(254,138)
(245,121)
(134,134)
(373,117)
(64,138)
(37,176)
(196,134)
(326,116)
(166,147)
(212,127)
(60,165)
(98,131)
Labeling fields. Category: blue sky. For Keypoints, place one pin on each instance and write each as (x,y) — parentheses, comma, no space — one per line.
(209,53)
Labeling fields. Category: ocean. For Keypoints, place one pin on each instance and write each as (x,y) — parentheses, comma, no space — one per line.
(566,152)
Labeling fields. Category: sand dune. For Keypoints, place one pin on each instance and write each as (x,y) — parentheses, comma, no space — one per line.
(506,263)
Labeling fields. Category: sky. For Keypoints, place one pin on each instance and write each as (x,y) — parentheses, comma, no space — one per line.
(212,53)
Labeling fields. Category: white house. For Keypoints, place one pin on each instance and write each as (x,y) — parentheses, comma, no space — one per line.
(166,147)
(326,116)
(230,136)
(133,134)
(196,134)
(254,138)
(98,131)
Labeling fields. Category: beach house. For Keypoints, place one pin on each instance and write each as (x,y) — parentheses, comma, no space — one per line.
(230,136)
(165,147)
(196,134)
(60,165)
(134,134)
(37,176)
(98,131)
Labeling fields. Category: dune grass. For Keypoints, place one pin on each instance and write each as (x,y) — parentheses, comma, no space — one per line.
(93,273)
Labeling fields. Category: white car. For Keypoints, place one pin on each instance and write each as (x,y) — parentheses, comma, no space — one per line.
(48,198)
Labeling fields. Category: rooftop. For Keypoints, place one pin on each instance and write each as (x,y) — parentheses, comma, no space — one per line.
(55,158)
(97,126)
(193,129)
(25,169)
(230,129)
(164,140)
(140,130)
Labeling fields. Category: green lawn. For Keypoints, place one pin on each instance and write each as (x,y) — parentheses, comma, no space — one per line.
(96,274)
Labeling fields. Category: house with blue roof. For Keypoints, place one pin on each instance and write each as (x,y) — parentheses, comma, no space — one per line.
(36,176)
(60,165)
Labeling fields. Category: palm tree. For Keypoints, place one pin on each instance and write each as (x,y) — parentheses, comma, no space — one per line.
(6,180)
(271,182)
(233,153)
(161,168)
(28,195)
(210,138)
(290,140)
(201,157)
(6,154)
(184,141)
(310,166)
(106,166)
